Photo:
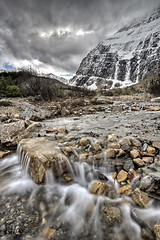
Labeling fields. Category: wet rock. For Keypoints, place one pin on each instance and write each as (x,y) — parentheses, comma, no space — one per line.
(125,190)
(112,138)
(9,132)
(147,160)
(84,142)
(151,150)
(96,147)
(99,156)
(146,182)
(140,198)
(83,156)
(33,113)
(44,155)
(128,165)
(112,215)
(120,153)
(139,162)
(125,144)
(154,108)
(133,176)
(157,230)
(110,153)
(134,153)
(114,145)
(4,154)
(98,188)
(135,142)
(122,176)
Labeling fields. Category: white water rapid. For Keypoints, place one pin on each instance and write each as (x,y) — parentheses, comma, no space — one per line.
(73,202)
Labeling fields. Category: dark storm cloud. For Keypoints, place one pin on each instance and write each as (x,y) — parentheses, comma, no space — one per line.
(46,29)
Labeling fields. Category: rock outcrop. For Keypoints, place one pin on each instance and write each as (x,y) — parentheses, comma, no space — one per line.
(129,56)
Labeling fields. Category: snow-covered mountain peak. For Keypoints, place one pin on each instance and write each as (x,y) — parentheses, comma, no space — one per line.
(127,57)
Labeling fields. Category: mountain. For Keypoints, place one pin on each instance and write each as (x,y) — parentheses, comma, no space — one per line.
(129,56)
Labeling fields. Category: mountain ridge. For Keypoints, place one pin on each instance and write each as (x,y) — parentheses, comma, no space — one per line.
(125,58)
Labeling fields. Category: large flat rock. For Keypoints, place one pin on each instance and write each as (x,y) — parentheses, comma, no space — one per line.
(44,155)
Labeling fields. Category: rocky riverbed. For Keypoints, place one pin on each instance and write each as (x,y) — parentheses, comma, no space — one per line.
(92,175)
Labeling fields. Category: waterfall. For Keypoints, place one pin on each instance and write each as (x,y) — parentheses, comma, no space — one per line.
(138,69)
(116,71)
(128,72)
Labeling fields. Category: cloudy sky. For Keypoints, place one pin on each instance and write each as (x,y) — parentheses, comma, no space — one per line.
(55,35)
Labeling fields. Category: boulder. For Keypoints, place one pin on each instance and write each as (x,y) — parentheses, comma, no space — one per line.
(10,132)
(43,154)
(33,113)
(140,198)
(112,215)
(98,188)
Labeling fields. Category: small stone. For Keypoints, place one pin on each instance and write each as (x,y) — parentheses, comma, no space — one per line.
(98,188)
(140,198)
(50,130)
(4,154)
(139,162)
(147,160)
(110,153)
(135,142)
(154,108)
(84,142)
(99,156)
(156,144)
(128,165)
(125,190)
(83,156)
(157,230)
(122,176)
(151,150)
(67,177)
(121,153)
(96,147)
(133,175)
(114,145)
(146,154)
(112,138)
(114,175)
(134,153)
(112,215)
(68,149)
(61,130)
(48,233)
(125,143)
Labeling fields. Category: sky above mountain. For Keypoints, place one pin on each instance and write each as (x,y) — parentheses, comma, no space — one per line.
(54,35)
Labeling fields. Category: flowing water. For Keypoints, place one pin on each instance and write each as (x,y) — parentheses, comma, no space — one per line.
(72,203)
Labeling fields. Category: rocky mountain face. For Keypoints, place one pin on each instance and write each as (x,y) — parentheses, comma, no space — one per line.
(129,56)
